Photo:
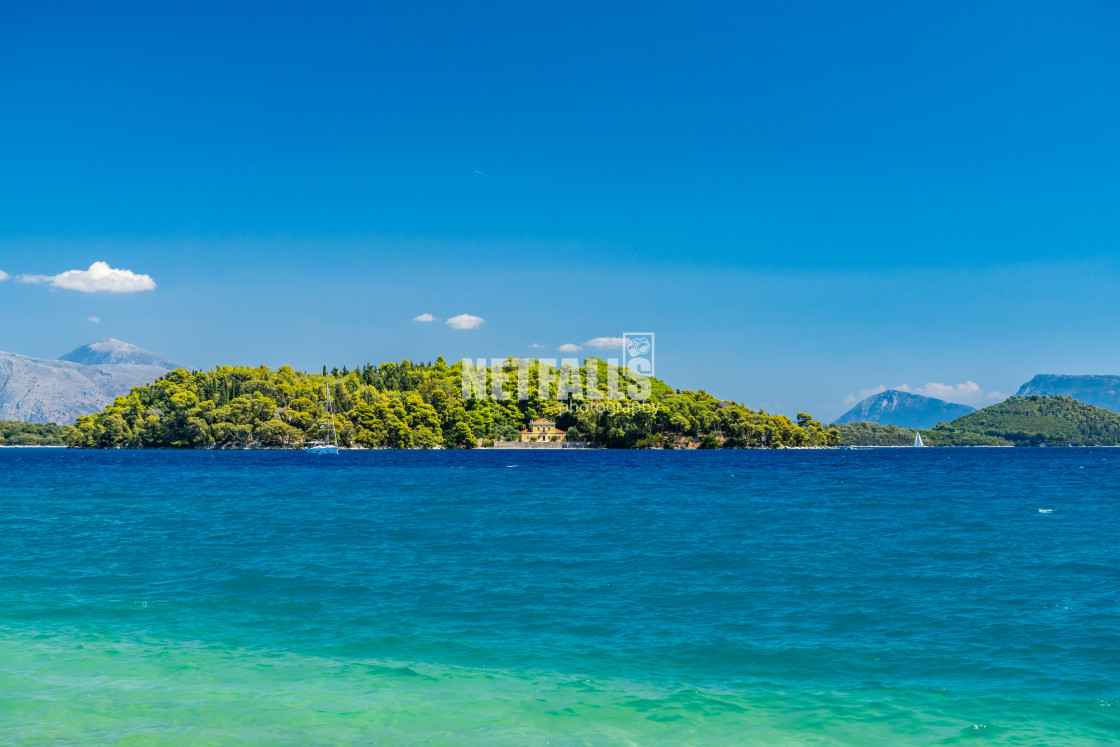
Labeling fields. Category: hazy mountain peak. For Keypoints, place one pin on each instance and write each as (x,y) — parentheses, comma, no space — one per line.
(109,350)
(896,407)
(1096,390)
(34,390)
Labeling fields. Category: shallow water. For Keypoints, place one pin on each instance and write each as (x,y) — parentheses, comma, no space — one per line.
(813,597)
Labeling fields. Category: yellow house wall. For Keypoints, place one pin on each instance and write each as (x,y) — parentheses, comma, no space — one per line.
(542,433)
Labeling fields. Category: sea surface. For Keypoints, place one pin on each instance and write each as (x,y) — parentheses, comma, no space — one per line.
(862,597)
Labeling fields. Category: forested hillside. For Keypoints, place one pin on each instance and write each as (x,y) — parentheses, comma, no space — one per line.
(1035,420)
(412,405)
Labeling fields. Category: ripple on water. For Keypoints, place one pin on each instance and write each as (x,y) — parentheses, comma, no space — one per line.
(603,598)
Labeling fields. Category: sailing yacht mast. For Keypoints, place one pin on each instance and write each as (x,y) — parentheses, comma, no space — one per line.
(330,446)
(330,417)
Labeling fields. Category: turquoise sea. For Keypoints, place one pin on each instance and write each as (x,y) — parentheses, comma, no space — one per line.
(893,596)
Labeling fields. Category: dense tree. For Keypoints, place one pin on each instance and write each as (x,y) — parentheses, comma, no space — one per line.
(14,433)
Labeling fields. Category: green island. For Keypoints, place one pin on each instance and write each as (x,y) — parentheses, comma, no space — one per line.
(421,405)
(1033,420)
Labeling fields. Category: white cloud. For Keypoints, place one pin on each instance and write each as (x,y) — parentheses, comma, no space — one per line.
(568,348)
(968,393)
(100,277)
(465,321)
(425,318)
(536,345)
(3,276)
(94,319)
(604,342)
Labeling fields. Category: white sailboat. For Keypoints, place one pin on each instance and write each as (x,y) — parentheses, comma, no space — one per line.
(918,438)
(330,445)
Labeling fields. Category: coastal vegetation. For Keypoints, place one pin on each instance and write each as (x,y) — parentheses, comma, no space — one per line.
(416,405)
(873,434)
(876,434)
(1017,421)
(13,433)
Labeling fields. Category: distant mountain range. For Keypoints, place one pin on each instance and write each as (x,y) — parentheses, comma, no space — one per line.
(895,407)
(1099,391)
(110,351)
(84,381)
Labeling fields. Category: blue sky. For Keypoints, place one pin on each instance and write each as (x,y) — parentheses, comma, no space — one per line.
(803,202)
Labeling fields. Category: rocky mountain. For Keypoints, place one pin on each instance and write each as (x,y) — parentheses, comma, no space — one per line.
(35,390)
(1099,391)
(894,407)
(108,350)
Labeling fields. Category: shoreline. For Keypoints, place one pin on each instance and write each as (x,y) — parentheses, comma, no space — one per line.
(582,449)
(33,446)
